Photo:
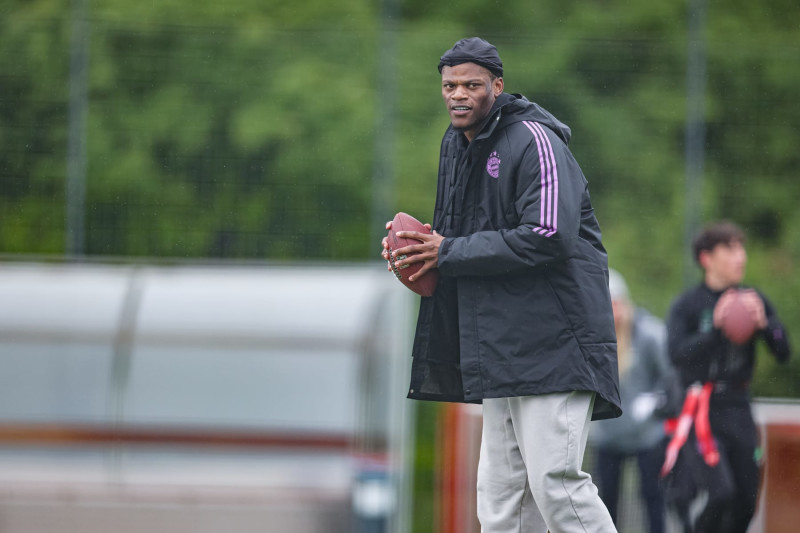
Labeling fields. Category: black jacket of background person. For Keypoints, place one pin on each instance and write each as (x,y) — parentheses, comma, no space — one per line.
(522,306)
(702,353)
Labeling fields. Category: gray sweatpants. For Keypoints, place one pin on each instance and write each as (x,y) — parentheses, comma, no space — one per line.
(529,473)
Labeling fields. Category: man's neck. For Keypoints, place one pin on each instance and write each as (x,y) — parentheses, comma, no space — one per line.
(716,283)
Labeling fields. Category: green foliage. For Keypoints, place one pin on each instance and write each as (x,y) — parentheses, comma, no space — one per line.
(428,421)
(222,141)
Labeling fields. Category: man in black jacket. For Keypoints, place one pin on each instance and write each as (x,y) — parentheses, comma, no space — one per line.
(521,318)
(704,357)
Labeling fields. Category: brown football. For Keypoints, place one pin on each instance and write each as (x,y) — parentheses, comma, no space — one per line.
(738,324)
(426,285)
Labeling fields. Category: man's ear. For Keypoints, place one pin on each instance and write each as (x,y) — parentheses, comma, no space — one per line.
(497,87)
(702,259)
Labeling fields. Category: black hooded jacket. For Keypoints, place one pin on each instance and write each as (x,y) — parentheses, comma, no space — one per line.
(522,306)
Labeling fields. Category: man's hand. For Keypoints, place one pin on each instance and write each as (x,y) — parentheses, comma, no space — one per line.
(751,300)
(754,304)
(428,250)
(385,246)
(721,308)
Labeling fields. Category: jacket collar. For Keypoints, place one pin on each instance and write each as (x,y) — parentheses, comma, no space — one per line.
(493,118)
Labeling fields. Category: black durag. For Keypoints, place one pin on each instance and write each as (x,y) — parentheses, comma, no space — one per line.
(473,50)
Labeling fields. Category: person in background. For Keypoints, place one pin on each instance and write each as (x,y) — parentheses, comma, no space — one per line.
(721,455)
(648,391)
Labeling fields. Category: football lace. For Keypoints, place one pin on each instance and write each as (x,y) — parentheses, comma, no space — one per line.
(394,268)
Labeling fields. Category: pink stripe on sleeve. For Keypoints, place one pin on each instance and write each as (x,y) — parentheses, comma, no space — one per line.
(548,219)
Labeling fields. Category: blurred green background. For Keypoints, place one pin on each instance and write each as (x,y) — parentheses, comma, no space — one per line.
(276,130)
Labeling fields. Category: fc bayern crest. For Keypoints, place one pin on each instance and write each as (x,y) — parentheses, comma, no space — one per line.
(493,165)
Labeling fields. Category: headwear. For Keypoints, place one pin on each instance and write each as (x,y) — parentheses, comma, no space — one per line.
(617,286)
(473,50)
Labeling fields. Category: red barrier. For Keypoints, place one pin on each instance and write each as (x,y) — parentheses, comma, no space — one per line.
(781,484)
(458,451)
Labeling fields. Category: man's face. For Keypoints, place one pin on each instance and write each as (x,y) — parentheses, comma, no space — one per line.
(469,93)
(725,263)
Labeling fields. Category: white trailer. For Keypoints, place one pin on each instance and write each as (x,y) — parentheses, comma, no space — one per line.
(204,398)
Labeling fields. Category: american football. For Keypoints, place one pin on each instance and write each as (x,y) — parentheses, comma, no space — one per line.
(739,325)
(426,285)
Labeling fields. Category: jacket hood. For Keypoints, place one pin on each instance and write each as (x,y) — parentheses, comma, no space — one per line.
(516,108)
